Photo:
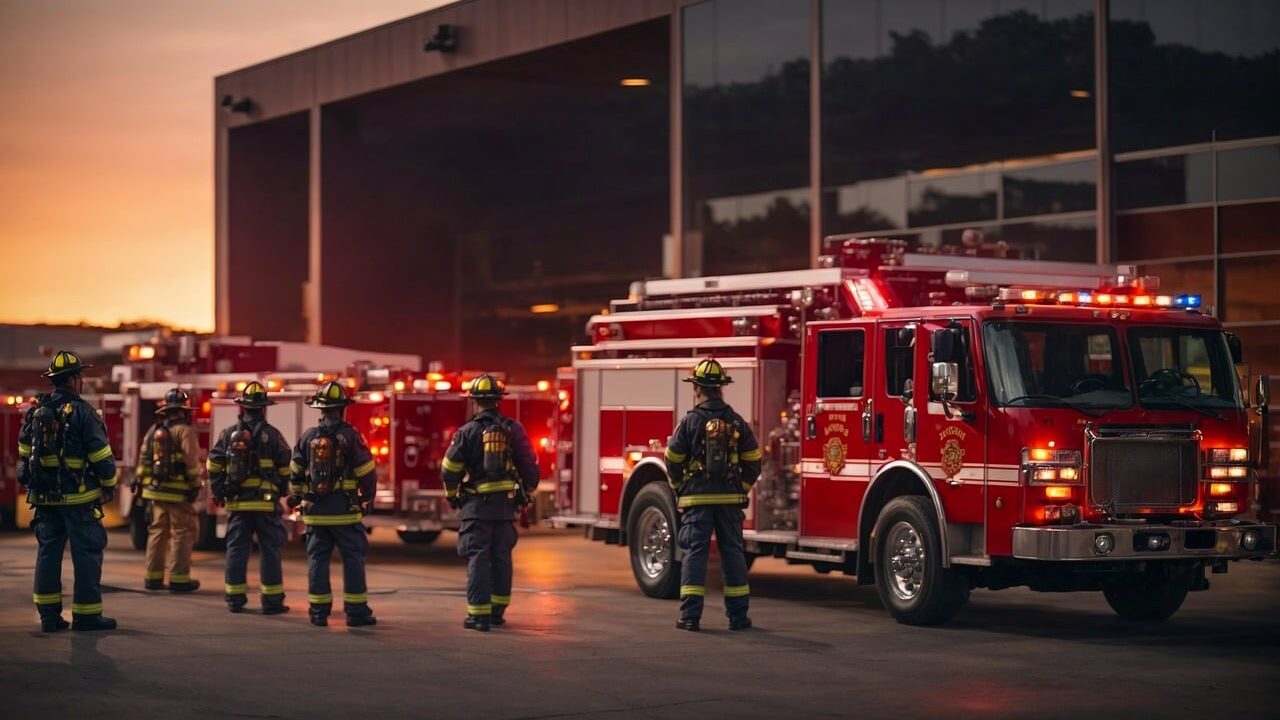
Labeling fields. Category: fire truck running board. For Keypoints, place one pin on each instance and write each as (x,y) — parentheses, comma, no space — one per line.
(835,558)
(846,544)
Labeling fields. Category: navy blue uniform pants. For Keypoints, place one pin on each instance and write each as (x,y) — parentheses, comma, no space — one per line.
(242,528)
(487,544)
(53,527)
(353,544)
(696,527)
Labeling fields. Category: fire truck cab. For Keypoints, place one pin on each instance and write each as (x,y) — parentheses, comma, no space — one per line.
(934,423)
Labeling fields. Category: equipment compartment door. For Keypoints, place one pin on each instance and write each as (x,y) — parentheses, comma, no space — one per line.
(837,433)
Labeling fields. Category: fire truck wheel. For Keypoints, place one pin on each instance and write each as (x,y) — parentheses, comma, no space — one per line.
(1154,595)
(651,534)
(913,585)
(139,519)
(418,537)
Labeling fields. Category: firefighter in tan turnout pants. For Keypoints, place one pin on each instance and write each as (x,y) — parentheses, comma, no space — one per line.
(169,475)
(712,460)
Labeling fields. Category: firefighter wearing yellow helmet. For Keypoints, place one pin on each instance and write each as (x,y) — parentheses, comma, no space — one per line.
(249,473)
(68,470)
(712,462)
(333,480)
(488,471)
(169,476)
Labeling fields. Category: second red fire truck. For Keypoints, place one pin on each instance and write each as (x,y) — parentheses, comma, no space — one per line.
(934,423)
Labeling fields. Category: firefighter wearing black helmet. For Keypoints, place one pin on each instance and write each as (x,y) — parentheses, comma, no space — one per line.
(169,476)
(68,470)
(712,460)
(488,471)
(333,481)
(249,473)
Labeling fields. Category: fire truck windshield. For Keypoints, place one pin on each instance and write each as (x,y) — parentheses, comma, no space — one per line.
(1033,364)
(1185,367)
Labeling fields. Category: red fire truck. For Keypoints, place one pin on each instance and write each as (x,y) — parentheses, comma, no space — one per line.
(934,423)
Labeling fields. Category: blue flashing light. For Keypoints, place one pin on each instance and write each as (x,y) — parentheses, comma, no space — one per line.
(1084,298)
(1187,301)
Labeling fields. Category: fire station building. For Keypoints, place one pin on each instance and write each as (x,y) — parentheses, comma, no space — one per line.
(472,183)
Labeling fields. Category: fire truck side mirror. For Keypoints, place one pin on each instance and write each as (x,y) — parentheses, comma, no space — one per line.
(1262,395)
(945,345)
(1236,348)
(945,380)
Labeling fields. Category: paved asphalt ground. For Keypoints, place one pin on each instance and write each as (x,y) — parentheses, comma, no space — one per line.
(583,643)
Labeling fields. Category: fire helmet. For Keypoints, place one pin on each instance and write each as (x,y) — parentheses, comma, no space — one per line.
(65,362)
(709,373)
(254,396)
(175,399)
(332,394)
(486,386)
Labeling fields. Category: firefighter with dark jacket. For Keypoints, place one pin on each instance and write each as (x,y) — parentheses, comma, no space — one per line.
(249,473)
(489,471)
(712,461)
(68,470)
(333,481)
(169,476)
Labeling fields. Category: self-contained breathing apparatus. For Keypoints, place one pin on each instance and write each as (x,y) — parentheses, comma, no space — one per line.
(327,466)
(244,460)
(717,461)
(498,461)
(48,438)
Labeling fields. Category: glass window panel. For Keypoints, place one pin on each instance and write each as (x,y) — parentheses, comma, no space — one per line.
(899,363)
(1164,234)
(1072,239)
(1156,182)
(841,358)
(1190,71)
(1249,227)
(953,199)
(746,134)
(868,205)
(1248,173)
(1184,277)
(916,85)
(1249,289)
(1050,189)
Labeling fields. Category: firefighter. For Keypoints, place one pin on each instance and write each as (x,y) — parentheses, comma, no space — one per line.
(712,461)
(249,473)
(334,480)
(68,470)
(489,471)
(169,476)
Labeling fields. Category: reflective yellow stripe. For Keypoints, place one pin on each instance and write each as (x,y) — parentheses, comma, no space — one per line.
(737,590)
(452,466)
(364,469)
(24,449)
(268,464)
(451,491)
(108,482)
(250,505)
(79,498)
(500,599)
(295,468)
(675,457)
(324,599)
(273,589)
(251,482)
(712,499)
(73,463)
(752,455)
(284,471)
(100,455)
(214,467)
(47,598)
(180,578)
(153,575)
(355,598)
(238,589)
(161,496)
(693,590)
(746,487)
(486,609)
(488,488)
(86,608)
(301,488)
(193,474)
(349,484)
(348,519)
(49,460)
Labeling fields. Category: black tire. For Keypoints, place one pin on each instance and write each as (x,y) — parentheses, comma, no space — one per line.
(651,537)
(207,533)
(139,519)
(929,594)
(418,537)
(1155,595)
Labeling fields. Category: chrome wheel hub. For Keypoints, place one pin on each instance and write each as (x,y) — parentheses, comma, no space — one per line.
(906,560)
(653,542)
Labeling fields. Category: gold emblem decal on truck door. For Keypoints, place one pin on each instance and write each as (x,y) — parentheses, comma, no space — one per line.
(834,454)
(952,452)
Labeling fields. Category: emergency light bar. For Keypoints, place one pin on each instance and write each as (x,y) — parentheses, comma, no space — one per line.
(1090,298)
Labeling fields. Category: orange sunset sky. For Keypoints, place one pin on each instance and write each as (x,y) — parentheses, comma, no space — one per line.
(106,145)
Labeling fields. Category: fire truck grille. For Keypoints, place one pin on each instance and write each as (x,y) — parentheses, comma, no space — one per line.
(1130,474)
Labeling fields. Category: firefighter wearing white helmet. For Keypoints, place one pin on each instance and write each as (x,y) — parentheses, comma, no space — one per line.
(68,470)
(488,471)
(333,480)
(712,462)
(169,475)
(249,473)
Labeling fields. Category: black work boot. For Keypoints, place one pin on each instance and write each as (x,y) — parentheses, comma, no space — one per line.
(236,603)
(739,623)
(153,584)
(84,623)
(690,624)
(361,620)
(320,620)
(477,622)
(186,587)
(53,623)
(497,620)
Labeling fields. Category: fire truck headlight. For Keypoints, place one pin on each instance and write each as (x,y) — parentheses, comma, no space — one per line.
(1249,540)
(1104,543)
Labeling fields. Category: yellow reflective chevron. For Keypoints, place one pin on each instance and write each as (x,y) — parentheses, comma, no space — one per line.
(237,588)
(364,469)
(355,598)
(737,590)
(495,486)
(101,454)
(752,455)
(692,590)
(24,450)
(86,608)
(277,589)
(324,599)
(325,520)
(266,464)
(712,499)
(153,575)
(78,498)
(500,599)
(251,506)
(108,482)
(452,466)
(485,609)
(54,598)
(214,467)
(675,457)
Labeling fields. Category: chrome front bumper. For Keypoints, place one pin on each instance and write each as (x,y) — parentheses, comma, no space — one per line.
(1209,541)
